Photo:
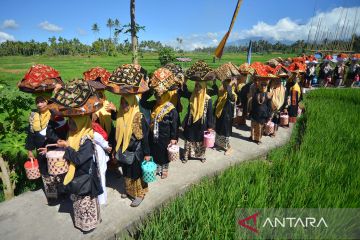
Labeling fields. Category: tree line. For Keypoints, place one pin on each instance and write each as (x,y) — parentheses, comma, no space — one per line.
(300,46)
(61,46)
(112,46)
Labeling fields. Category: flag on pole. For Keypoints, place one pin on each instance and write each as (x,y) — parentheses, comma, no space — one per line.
(220,48)
(249,53)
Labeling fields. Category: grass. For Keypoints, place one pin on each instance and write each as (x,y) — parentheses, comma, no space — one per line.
(318,168)
(13,68)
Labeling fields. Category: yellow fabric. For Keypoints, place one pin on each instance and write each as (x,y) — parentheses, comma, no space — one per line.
(41,120)
(220,48)
(173,97)
(197,102)
(239,87)
(83,128)
(164,99)
(124,122)
(222,97)
(278,97)
(297,88)
(104,117)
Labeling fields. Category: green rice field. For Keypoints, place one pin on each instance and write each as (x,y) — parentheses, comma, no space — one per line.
(318,168)
(13,68)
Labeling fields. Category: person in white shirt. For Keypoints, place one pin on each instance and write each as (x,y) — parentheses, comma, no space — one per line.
(102,150)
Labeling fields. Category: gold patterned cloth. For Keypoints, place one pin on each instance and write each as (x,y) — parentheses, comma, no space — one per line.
(136,188)
(194,150)
(86,212)
(256,131)
(222,141)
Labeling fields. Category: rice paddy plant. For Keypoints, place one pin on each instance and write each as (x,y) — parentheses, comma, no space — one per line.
(318,168)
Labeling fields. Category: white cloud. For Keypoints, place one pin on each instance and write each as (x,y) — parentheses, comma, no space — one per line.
(6,37)
(81,32)
(284,29)
(50,27)
(197,41)
(9,23)
(291,30)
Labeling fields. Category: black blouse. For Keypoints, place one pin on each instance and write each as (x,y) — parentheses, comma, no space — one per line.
(261,113)
(82,160)
(194,132)
(224,123)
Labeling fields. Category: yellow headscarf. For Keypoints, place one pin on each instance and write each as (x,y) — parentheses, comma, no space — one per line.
(296,88)
(83,128)
(104,117)
(173,97)
(124,122)
(40,120)
(197,102)
(278,97)
(222,97)
(160,104)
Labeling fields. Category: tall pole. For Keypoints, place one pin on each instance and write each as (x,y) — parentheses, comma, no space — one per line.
(134,40)
(356,24)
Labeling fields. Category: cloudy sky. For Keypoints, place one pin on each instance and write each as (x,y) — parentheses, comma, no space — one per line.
(199,23)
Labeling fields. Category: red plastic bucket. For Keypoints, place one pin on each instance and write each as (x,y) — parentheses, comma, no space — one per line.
(32,169)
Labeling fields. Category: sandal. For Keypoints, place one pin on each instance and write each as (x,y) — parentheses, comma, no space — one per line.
(228,152)
(136,202)
(164,174)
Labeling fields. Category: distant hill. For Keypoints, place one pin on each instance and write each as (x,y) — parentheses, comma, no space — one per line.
(245,42)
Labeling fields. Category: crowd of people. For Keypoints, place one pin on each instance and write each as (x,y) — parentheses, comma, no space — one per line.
(338,71)
(91,132)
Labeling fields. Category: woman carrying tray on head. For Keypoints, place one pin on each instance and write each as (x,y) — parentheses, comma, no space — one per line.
(132,129)
(98,78)
(44,128)
(78,100)
(260,103)
(199,117)
(164,119)
(225,104)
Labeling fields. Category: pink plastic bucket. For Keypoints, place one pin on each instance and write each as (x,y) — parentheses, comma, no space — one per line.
(209,139)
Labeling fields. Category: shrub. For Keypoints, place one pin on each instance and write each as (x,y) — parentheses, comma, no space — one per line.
(14,106)
(166,55)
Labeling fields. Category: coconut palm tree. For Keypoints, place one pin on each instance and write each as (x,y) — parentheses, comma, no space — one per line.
(110,25)
(95,28)
(117,31)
